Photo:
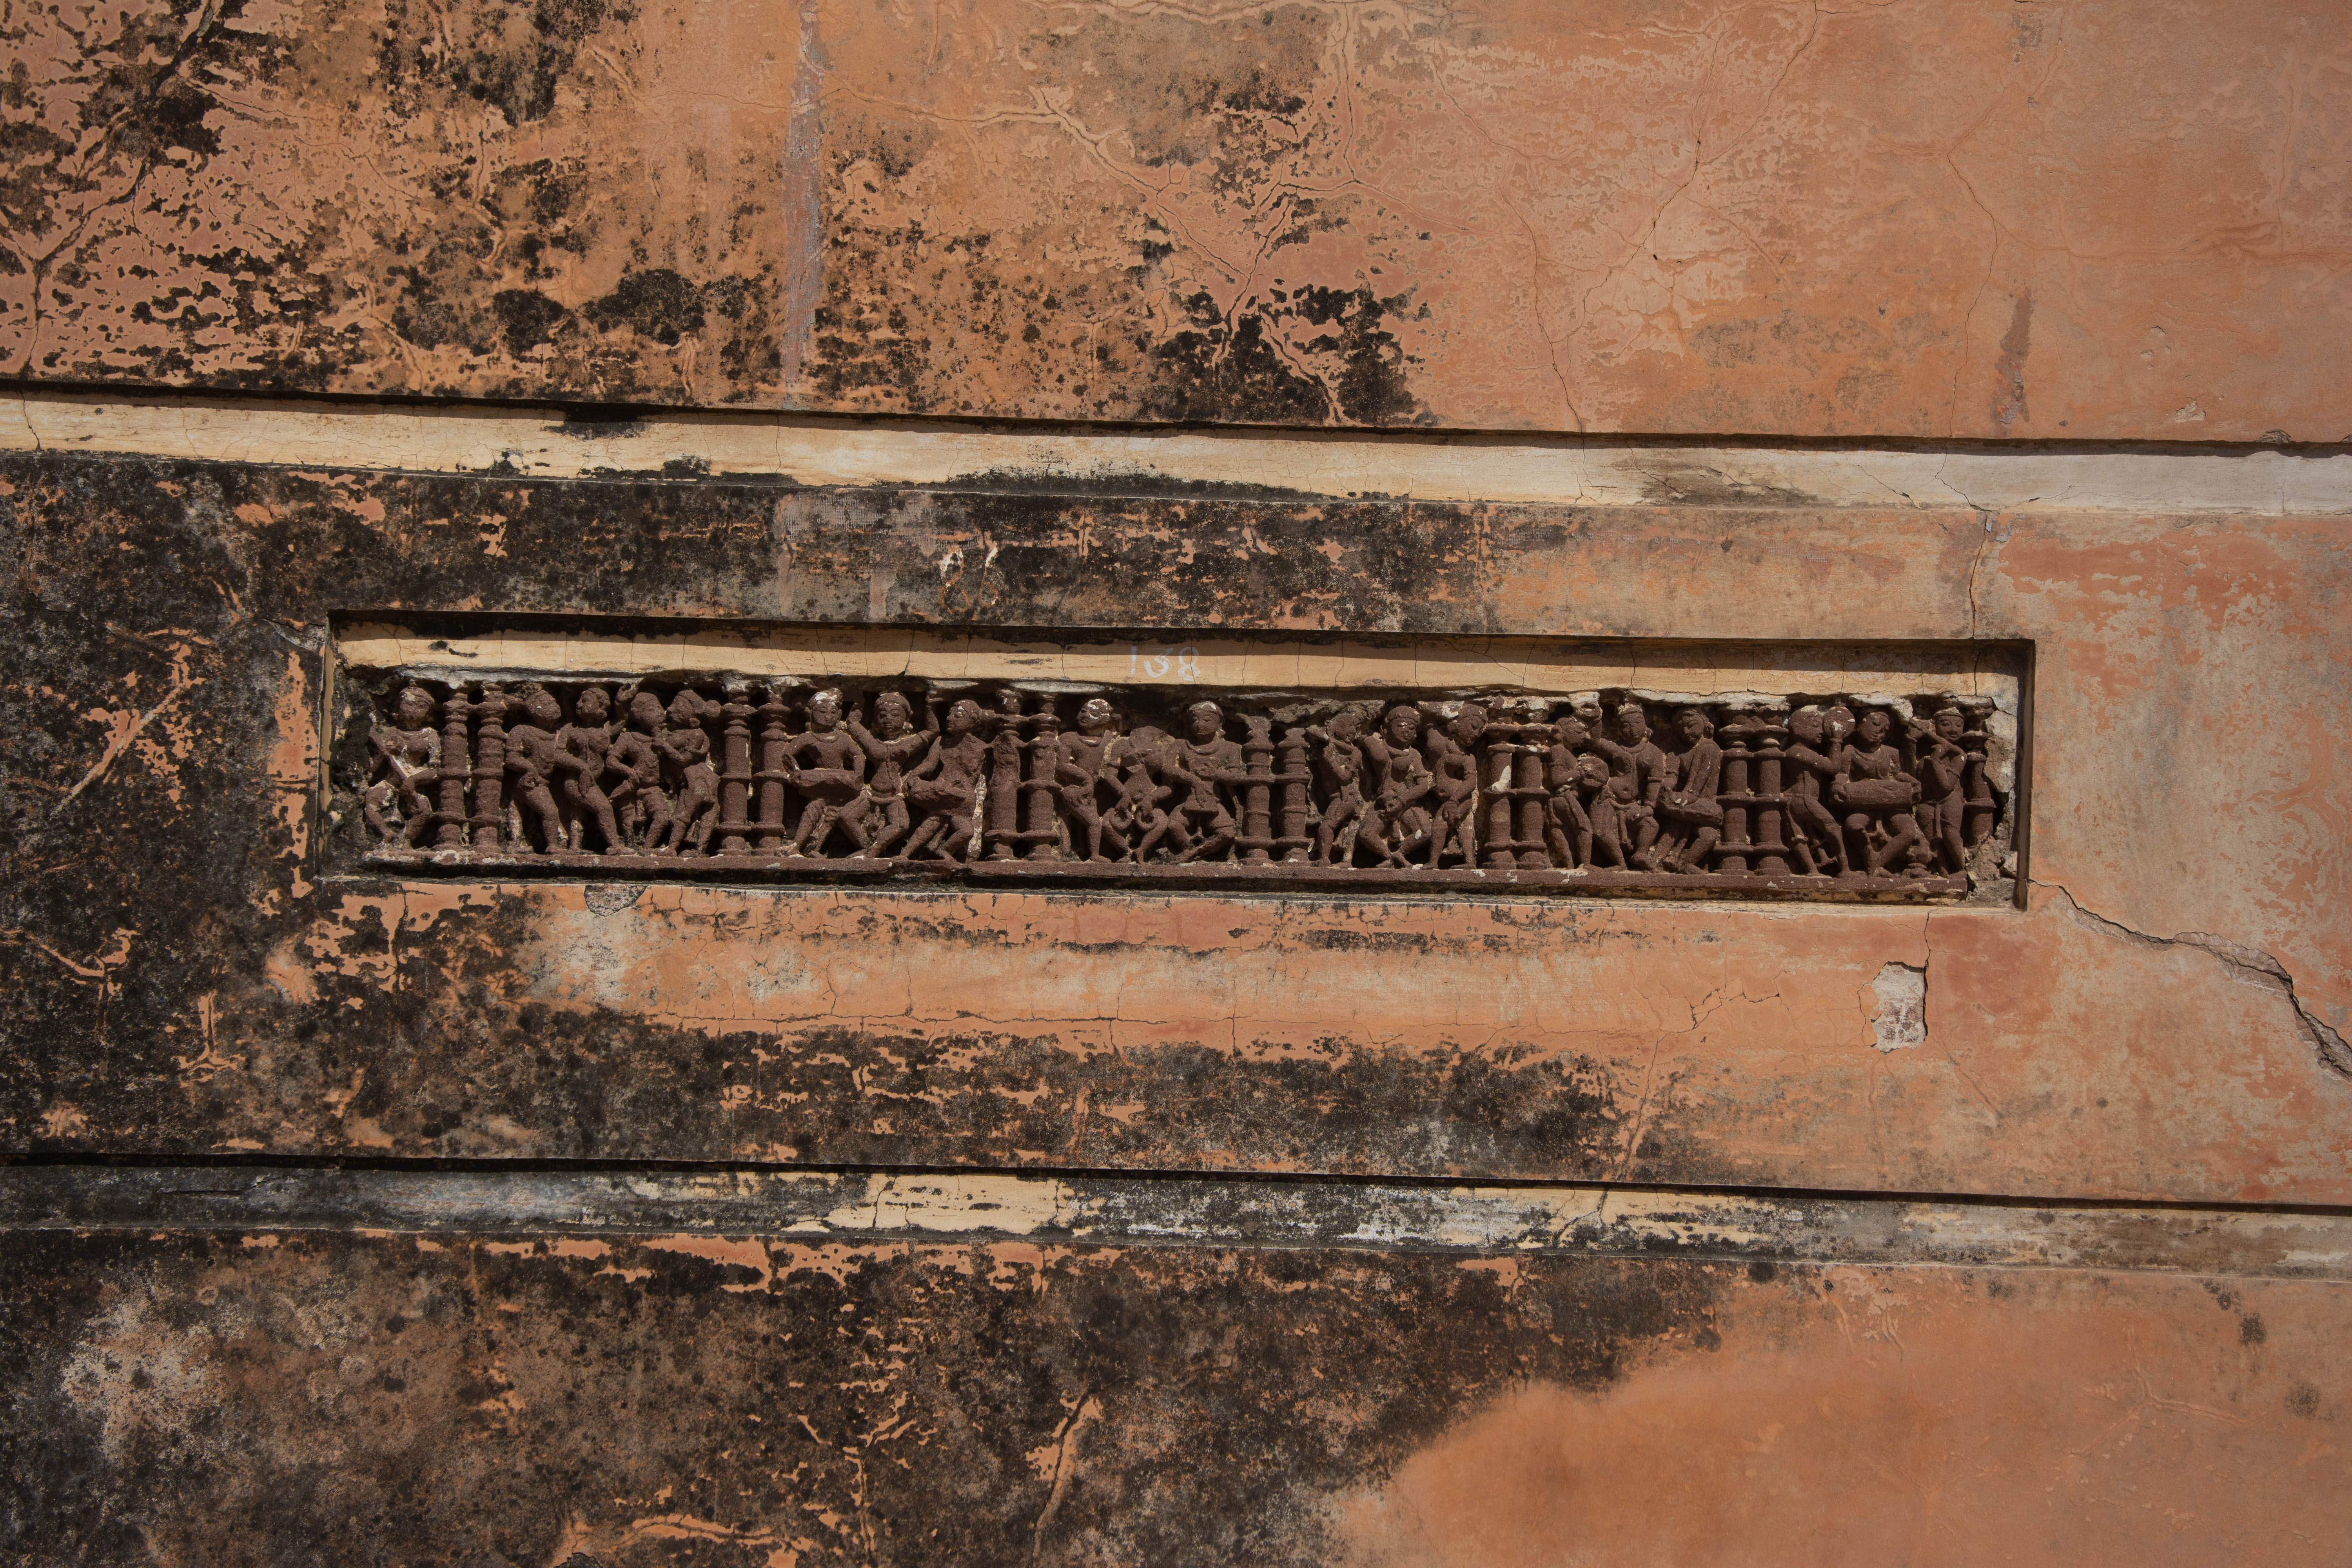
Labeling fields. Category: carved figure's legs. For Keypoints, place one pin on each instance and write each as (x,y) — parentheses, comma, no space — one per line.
(894,827)
(1904,842)
(1337,815)
(1567,831)
(372,804)
(1608,833)
(1220,833)
(1456,833)
(540,801)
(590,804)
(1080,808)
(1157,828)
(811,817)
(1645,835)
(1692,856)
(925,832)
(1942,819)
(1817,824)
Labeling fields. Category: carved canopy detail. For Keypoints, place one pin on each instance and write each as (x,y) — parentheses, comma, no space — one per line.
(1806,795)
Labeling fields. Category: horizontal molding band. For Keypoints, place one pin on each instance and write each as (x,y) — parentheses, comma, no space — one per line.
(819,450)
(908,1207)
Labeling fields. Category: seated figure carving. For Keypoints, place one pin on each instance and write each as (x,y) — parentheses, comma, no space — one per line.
(1876,795)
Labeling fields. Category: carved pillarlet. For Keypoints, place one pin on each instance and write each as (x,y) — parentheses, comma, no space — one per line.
(1821,793)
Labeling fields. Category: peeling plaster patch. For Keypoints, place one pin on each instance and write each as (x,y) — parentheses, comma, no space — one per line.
(1901,1017)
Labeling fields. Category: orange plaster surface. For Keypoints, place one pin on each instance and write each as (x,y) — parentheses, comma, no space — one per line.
(2117,218)
(1868,1416)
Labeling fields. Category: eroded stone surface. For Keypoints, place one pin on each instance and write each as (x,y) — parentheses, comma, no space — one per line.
(2115,220)
(752,1399)
(2161,1022)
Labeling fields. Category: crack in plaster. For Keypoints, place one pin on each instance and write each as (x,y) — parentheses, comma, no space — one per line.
(2333,1052)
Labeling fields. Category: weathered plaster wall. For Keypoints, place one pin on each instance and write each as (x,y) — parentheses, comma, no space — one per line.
(2164,1020)
(2111,219)
(745,1397)
(587,1223)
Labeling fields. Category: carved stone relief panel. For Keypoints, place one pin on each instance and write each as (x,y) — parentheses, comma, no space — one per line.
(1823,771)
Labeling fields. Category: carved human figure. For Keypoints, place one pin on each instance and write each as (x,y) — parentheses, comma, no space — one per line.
(833,779)
(636,762)
(1339,770)
(693,784)
(1454,772)
(1568,818)
(1138,819)
(1596,792)
(1206,764)
(1810,763)
(1942,771)
(1395,822)
(580,752)
(407,753)
(533,764)
(945,785)
(1080,774)
(1638,772)
(1690,818)
(893,745)
(1873,789)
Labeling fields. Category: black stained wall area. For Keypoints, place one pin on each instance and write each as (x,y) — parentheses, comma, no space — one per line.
(372,1401)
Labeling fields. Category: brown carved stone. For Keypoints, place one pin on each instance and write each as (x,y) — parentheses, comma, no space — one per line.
(1819,793)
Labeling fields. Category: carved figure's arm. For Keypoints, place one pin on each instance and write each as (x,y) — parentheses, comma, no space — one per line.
(931,764)
(1809,760)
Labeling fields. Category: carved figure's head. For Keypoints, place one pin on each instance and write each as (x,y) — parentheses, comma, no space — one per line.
(1633,724)
(413,706)
(893,714)
(963,716)
(825,711)
(1807,725)
(1403,725)
(1204,722)
(591,707)
(1144,744)
(1873,728)
(684,710)
(645,711)
(1095,715)
(540,706)
(1346,722)
(1467,725)
(1695,724)
(1569,730)
(1950,724)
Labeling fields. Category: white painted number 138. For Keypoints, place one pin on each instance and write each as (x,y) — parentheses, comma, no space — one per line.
(1155,666)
